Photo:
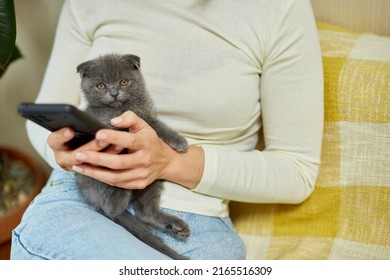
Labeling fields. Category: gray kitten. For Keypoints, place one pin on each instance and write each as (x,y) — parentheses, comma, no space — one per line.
(113,84)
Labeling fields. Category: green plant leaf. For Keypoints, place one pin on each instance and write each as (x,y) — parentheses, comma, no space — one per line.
(8,32)
(15,55)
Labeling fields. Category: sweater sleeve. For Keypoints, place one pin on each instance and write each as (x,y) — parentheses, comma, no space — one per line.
(61,82)
(291,98)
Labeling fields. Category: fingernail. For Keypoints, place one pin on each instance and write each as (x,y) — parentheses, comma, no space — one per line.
(67,133)
(116,120)
(101,136)
(81,156)
(102,143)
(77,169)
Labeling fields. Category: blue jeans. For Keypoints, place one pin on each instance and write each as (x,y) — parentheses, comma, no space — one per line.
(58,224)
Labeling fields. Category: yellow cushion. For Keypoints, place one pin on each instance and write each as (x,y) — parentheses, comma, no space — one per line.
(348,215)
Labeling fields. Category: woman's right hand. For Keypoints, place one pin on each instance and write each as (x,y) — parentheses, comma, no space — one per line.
(64,155)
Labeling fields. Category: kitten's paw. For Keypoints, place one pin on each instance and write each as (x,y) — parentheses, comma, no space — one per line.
(178,229)
(179,143)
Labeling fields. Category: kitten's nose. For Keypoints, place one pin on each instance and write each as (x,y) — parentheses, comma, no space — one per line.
(114,92)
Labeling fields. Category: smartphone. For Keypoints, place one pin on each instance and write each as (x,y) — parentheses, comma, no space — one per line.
(56,116)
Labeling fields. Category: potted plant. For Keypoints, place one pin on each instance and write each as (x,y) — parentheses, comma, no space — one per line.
(21,177)
(8,51)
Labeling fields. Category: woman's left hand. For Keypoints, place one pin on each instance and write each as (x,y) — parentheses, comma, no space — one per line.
(147,158)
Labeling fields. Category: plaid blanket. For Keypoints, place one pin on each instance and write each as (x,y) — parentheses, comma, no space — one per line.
(348,215)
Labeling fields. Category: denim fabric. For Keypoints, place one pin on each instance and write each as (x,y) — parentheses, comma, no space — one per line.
(210,238)
(60,225)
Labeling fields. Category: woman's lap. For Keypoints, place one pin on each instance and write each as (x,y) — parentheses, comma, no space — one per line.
(60,225)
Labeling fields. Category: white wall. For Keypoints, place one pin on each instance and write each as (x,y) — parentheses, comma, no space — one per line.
(358,15)
(36,22)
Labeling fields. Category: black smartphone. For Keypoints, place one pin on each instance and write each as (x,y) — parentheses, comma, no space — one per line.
(56,116)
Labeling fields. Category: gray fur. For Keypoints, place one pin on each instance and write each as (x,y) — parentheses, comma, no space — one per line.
(109,102)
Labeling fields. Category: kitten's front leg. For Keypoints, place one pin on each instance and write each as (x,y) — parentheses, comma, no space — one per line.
(170,136)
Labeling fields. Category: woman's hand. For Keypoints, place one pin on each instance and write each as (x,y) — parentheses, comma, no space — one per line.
(148,158)
(64,155)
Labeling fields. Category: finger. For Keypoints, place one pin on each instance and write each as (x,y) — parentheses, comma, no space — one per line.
(64,155)
(67,158)
(129,179)
(119,138)
(57,139)
(113,149)
(112,161)
(73,158)
(129,120)
(93,145)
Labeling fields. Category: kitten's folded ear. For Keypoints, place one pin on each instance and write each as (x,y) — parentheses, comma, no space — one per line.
(83,68)
(133,59)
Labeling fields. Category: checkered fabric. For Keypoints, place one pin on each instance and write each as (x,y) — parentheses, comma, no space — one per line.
(348,215)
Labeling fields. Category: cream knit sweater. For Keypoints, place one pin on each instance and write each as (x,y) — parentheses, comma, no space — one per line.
(218,71)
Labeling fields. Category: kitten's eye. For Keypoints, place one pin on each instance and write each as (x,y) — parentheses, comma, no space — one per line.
(124,82)
(101,86)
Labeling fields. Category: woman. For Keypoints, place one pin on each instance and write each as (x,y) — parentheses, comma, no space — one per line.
(218,72)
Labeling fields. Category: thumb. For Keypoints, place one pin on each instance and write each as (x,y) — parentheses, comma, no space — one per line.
(129,120)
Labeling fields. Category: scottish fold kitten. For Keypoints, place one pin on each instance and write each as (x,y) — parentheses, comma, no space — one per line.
(112,85)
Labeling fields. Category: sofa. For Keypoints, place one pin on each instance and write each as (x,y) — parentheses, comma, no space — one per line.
(348,214)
